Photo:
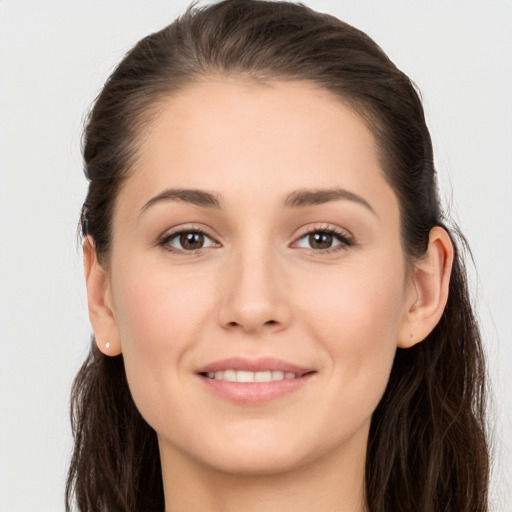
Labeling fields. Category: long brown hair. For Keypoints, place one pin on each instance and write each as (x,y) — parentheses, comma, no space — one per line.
(427,448)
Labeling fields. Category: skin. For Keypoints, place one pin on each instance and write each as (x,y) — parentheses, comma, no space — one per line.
(259,288)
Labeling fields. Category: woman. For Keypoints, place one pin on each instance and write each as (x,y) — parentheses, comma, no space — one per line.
(281,315)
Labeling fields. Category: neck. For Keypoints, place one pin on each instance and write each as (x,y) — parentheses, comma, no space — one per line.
(332,483)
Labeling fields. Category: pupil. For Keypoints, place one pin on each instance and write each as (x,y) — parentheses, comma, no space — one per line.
(320,240)
(192,241)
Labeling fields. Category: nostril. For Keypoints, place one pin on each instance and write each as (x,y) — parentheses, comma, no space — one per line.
(267,323)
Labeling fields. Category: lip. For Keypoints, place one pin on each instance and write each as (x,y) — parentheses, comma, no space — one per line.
(254,393)
(254,365)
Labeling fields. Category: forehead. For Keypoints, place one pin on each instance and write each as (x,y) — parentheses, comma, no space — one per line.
(239,137)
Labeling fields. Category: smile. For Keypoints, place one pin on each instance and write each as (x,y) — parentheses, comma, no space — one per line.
(247,381)
(247,376)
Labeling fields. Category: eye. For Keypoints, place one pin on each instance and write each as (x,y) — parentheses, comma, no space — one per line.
(187,240)
(324,240)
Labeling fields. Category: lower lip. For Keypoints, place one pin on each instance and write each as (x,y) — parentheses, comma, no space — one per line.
(253,393)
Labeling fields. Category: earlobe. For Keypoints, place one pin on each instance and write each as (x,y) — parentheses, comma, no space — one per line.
(431,280)
(99,299)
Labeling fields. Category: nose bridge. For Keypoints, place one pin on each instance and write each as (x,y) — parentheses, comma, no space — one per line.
(253,290)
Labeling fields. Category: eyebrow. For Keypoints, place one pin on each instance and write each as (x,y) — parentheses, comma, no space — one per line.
(306,197)
(193,196)
(297,199)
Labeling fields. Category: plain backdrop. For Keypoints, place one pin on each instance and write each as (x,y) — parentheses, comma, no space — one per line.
(54,58)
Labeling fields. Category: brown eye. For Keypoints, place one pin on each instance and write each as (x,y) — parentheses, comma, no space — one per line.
(320,240)
(187,241)
(191,241)
(324,240)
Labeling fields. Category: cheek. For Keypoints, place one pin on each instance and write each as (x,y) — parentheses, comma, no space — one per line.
(155,306)
(357,304)
(159,317)
(356,317)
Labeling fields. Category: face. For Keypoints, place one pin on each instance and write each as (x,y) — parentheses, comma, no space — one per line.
(257,239)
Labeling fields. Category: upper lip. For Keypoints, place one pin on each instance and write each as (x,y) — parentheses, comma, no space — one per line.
(253,365)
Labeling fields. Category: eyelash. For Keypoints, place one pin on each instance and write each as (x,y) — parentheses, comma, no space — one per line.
(344,238)
(164,241)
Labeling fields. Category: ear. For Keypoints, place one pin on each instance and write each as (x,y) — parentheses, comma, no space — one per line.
(99,298)
(428,291)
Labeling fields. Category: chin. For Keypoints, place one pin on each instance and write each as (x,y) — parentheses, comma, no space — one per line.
(258,462)
(264,453)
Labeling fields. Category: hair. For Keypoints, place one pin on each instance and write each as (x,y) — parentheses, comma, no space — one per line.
(427,448)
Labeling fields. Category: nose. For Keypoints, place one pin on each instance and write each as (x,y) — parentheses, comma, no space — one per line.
(253,293)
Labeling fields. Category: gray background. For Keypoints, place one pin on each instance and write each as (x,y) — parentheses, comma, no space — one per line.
(54,57)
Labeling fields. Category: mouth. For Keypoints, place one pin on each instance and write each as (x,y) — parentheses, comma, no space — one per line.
(233,375)
(254,381)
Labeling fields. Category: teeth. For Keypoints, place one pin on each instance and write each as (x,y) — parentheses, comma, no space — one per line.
(245,376)
(242,376)
(229,375)
(261,376)
(277,375)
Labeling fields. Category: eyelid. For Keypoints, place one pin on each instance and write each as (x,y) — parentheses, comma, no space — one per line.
(345,238)
(169,235)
